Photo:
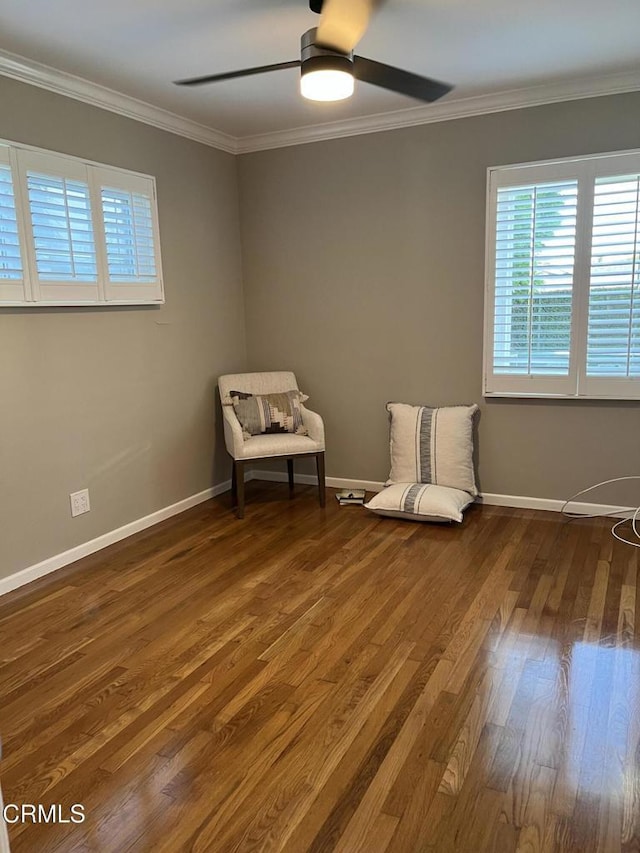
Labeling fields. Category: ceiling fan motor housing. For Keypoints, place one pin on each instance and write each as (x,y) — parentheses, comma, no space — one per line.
(316,58)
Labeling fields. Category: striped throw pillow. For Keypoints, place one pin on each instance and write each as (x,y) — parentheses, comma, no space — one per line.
(432,445)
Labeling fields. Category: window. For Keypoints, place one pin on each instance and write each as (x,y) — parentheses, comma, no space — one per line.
(11,264)
(128,235)
(562,301)
(10,261)
(75,233)
(62,229)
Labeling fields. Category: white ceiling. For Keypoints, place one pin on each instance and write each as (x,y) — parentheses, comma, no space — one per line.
(138,47)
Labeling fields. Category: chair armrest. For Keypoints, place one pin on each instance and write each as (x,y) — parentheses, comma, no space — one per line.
(233,437)
(314,424)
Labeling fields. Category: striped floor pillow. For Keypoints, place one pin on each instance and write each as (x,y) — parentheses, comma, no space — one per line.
(432,445)
(420,502)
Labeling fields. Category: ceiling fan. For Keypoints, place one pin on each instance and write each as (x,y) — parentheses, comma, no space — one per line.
(328,64)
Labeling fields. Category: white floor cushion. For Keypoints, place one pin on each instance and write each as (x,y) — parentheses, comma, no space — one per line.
(420,502)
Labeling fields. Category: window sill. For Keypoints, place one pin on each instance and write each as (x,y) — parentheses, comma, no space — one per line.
(67,303)
(512,395)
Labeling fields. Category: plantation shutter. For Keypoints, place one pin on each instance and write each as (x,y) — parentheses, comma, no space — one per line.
(532,270)
(61,241)
(12,275)
(62,230)
(76,233)
(129,221)
(613,337)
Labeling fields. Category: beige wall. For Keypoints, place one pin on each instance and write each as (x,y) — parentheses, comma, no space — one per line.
(363,265)
(119,400)
(363,268)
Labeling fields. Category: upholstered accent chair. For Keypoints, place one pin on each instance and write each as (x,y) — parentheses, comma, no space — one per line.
(280,445)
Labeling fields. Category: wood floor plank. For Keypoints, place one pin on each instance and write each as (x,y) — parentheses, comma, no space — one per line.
(280,806)
(324,823)
(313,680)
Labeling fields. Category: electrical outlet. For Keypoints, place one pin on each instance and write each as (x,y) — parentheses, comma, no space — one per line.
(80,502)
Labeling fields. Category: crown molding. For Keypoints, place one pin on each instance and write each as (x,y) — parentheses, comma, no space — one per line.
(27,71)
(513,99)
(37,74)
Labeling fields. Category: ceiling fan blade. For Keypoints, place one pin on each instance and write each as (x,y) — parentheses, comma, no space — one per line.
(230,75)
(344,22)
(397,80)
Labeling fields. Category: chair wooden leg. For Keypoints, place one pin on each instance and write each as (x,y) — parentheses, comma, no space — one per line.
(234,485)
(239,471)
(321,483)
(290,473)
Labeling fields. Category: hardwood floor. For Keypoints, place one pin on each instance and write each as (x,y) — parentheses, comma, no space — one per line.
(326,680)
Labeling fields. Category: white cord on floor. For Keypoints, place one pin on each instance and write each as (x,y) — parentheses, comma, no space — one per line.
(614,530)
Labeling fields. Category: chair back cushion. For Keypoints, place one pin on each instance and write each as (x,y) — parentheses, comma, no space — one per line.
(275,382)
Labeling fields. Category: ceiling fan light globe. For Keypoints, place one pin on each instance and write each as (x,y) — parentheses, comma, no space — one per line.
(326,84)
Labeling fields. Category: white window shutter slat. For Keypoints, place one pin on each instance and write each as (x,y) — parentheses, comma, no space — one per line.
(58,227)
(533,267)
(10,256)
(613,343)
(62,228)
(129,223)
(12,274)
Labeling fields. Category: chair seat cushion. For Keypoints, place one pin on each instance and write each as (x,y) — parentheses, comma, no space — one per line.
(269,413)
(283,444)
(420,502)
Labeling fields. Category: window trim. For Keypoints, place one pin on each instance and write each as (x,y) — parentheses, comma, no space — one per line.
(576,385)
(31,291)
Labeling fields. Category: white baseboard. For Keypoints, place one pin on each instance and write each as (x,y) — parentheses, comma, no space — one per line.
(58,561)
(52,564)
(524,502)
(553,505)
